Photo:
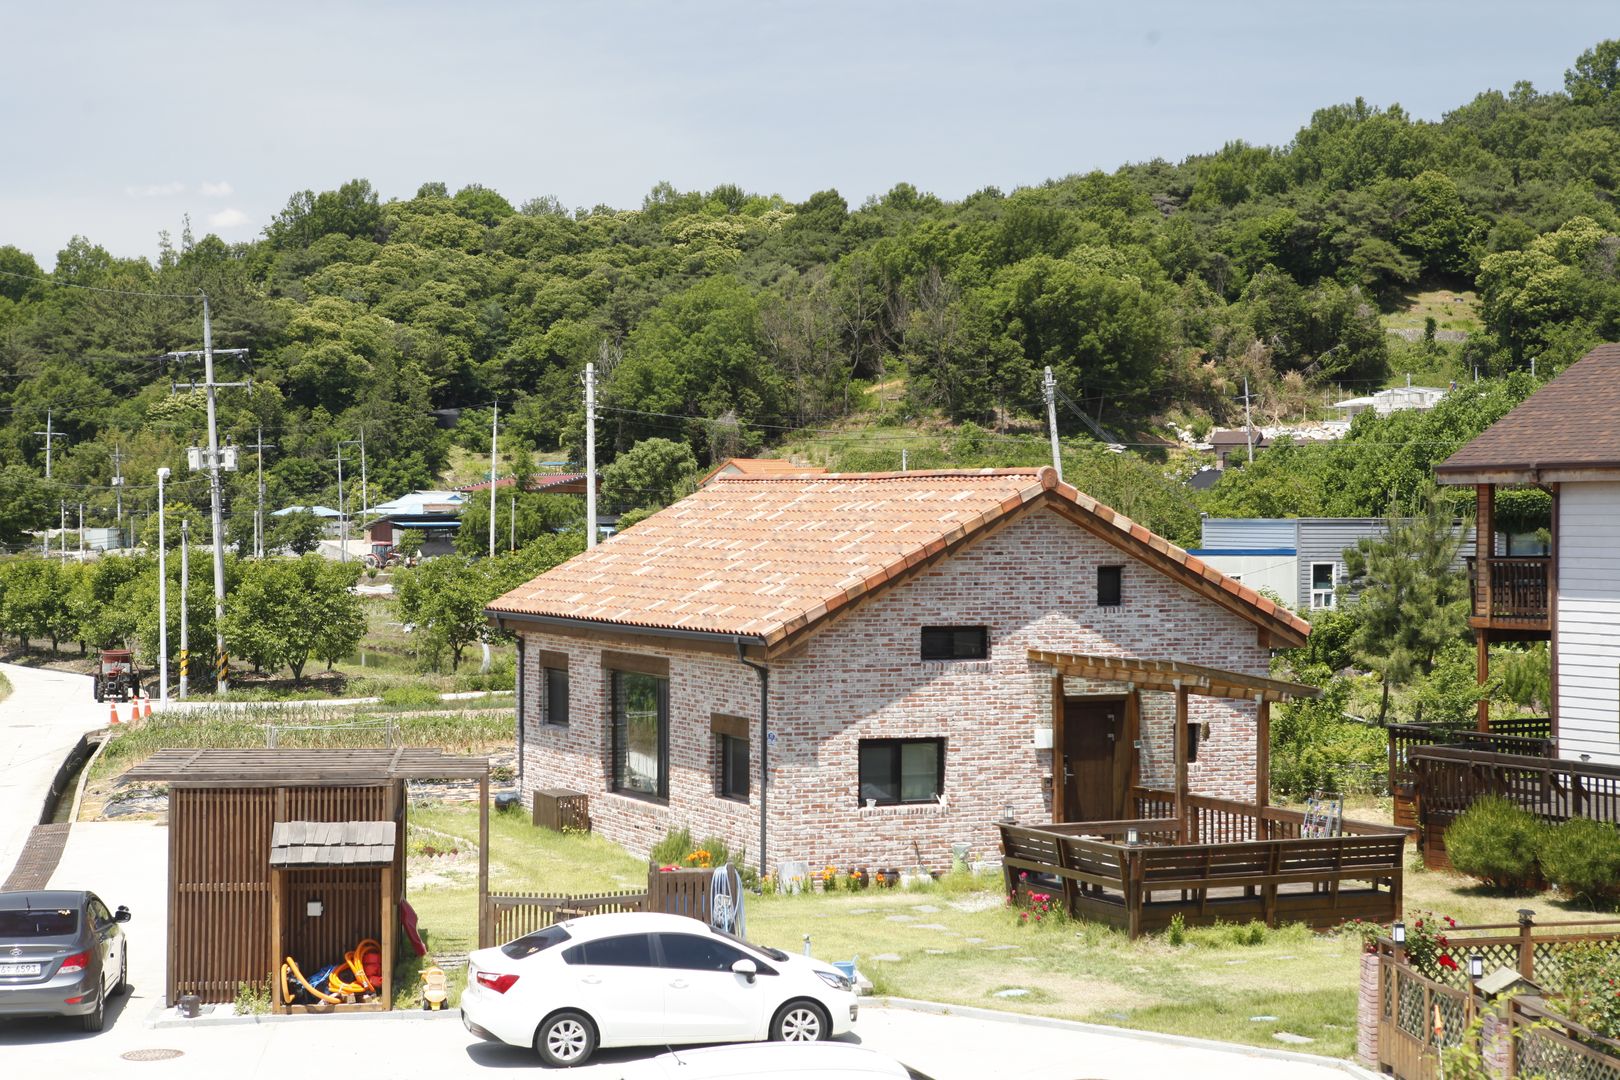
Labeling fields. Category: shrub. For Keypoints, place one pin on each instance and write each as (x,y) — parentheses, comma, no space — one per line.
(1495,841)
(1177,933)
(673,849)
(1582,858)
(1590,974)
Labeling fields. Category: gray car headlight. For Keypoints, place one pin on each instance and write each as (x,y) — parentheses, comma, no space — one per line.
(836,980)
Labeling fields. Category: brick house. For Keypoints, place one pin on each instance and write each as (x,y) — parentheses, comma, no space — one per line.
(878,629)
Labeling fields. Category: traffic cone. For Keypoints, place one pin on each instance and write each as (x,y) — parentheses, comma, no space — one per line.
(146,710)
(134,711)
(112,707)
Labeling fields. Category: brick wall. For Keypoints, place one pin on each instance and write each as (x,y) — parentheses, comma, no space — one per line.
(1033,584)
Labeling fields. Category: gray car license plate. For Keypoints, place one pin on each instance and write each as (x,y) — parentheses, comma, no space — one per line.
(19,969)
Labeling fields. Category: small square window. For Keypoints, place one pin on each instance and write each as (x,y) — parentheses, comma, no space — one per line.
(1323,575)
(1110,581)
(901,770)
(733,767)
(955,642)
(556,696)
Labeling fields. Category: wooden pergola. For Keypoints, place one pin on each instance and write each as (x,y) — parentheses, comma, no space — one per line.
(1181,679)
(257,836)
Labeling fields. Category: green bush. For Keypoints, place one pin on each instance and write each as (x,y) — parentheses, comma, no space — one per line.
(413,696)
(1495,841)
(1582,858)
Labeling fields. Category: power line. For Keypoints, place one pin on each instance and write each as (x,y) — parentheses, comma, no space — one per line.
(44,280)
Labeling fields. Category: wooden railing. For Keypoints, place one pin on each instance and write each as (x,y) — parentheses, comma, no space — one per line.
(1239,862)
(1545,1043)
(1517,587)
(1529,735)
(511,915)
(1450,778)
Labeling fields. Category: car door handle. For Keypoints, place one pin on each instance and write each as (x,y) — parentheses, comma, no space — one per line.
(679,984)
(590,980)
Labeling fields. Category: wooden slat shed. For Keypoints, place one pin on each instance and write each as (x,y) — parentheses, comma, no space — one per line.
(256,835)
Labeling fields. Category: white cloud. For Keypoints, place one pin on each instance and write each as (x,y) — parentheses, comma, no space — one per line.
(212,190)
(228,218)
(154,191)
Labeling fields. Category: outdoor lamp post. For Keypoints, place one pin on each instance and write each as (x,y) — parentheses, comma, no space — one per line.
(1131,836)
(163,601)
(1476,967)
(1398,932)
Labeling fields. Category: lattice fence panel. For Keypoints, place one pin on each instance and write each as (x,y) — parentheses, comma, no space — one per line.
(1541,1054)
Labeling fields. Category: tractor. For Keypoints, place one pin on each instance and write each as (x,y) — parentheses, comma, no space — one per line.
(115,675)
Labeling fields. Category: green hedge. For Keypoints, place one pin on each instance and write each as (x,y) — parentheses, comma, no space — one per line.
(1582,858)
(1497,842)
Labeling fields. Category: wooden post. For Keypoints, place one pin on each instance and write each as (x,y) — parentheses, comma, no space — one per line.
(1059,761)
(389,918)
(276,957)
(1262,750)
(1181,761)
(484,940)
(1527,946)
(1484,548)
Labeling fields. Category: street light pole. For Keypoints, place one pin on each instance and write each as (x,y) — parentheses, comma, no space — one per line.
(163,601)
(220,660)
(185,607)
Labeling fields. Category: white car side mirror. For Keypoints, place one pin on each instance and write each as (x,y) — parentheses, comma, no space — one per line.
(746,968)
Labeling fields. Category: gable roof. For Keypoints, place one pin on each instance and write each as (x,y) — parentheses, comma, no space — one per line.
(1567,430)
(765,559)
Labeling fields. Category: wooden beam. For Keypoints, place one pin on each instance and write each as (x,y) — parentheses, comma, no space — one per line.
(277,957)
(1484,545)
(1262,752)
(1482,664)
(1181,762)
(390,917)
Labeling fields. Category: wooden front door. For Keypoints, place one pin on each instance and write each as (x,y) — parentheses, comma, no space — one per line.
(1092,732)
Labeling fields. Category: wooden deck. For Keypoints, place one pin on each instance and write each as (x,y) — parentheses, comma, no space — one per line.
(1226,861)
(1529,736)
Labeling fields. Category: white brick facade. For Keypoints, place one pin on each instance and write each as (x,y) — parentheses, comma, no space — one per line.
(1032,583)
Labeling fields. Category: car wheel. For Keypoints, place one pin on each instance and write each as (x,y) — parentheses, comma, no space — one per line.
(565,1040)
(800,1021)
(95,1020)
(122,985)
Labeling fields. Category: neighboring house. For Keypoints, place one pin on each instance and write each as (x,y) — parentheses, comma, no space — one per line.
(1394,400)
(757,468)
(436,514)
(1566,438)
(331,520)
(1300,560)
(1233,444)
(544,483)
(872,636)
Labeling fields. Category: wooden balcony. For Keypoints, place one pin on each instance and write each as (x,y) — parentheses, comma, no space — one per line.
(1510,593)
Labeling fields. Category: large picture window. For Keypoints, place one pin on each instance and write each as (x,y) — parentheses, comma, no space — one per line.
(640,734)
(894,771)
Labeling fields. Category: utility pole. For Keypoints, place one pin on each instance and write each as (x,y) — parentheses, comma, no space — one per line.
(50,435)
(1248,428)
(590,451)
(1049,389)
(118,488)
(365,493)
(343,522)
(215,496)
(185,608)
(81,532)
(511,521)
(260,446)
(62,531)
(163,602)
(494,450)
(903,460)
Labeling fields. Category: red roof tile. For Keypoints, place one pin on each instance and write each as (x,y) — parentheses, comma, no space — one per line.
(764,557)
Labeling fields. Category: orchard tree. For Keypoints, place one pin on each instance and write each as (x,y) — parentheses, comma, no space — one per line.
(286,610)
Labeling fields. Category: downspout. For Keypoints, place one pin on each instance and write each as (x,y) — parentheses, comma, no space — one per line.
(518,690)
(764,671)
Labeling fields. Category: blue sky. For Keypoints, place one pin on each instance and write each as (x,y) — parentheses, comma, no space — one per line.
(121,118)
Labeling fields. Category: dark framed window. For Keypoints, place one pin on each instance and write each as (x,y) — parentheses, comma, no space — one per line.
(895,771)
(556,696)
(694,952)
(955,642)
(1109,586)
(733,767)
(640,734)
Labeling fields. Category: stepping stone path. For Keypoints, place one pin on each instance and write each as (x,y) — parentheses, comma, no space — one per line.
(1011,992)
(926,909)
(1291,1039)
(974,940)
(1262,1019)
(860,911)
(887,956)
(900,918)
(935,952)
(999,948)
(929,926)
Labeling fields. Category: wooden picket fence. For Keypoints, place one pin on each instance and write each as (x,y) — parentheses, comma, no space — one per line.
(676,892)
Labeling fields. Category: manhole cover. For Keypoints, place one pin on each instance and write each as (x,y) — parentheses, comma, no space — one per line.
(150,1055)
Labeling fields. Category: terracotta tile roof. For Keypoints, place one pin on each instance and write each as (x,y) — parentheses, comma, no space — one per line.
(766,558)
(758,467)
(1573,422)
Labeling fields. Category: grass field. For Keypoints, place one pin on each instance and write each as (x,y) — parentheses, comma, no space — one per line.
(956,942)
(1451,309)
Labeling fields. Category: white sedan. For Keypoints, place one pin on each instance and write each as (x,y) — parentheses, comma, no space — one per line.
(640,978)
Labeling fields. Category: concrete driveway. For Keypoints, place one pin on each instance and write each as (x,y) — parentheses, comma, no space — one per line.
(45,715)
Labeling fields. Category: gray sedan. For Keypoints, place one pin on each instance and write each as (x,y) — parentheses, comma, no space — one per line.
(61,954)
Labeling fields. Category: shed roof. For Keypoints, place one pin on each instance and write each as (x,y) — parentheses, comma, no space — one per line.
(764,558)
(332,843)
(757,467)
(1171,675)
(305,768)
(1567,430)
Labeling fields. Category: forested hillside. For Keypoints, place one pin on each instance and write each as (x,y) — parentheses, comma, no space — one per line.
(726,320)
